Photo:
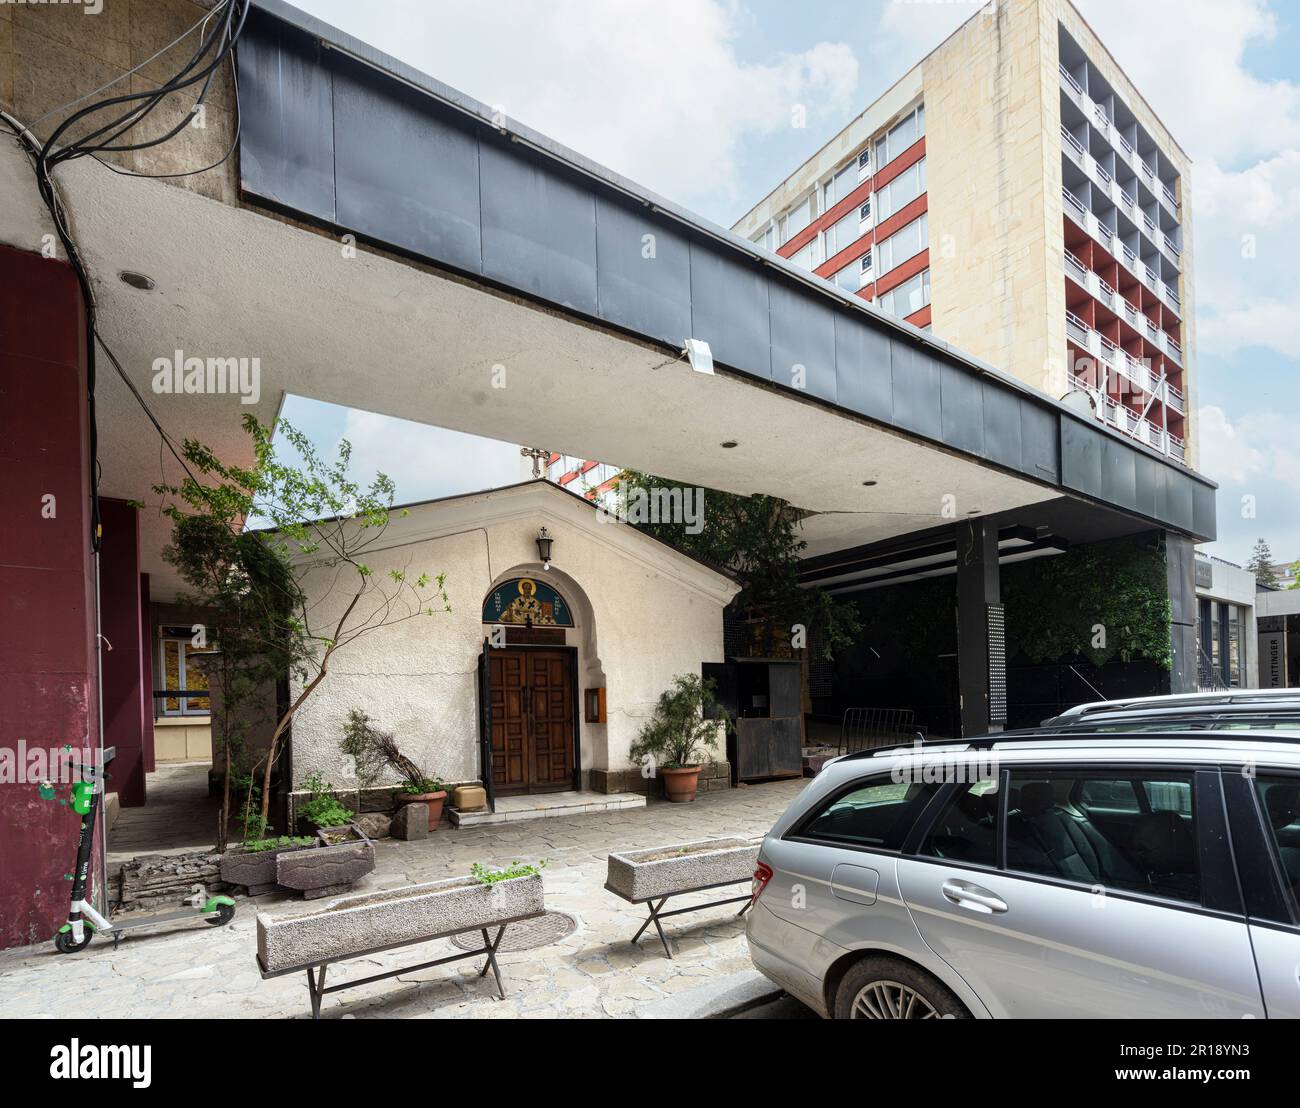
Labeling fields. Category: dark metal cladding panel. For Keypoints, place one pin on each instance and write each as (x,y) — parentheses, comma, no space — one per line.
(1178,504)
(643,273)
(1001,408)
(1180,562)
(803,341)
(286,133)
(539,228)
(1081,457)
(1040,441)
(863,376)
(916,390)
(961,396)
(1147,485)
(1119,474)
(729,309)
(1204,518)
(405,174)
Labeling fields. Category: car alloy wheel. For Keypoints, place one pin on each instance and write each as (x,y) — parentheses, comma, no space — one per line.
(890,1000)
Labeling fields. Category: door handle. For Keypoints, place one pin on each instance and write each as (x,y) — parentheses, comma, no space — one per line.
(974,897)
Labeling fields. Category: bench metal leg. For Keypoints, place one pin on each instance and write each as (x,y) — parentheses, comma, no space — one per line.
(490,948)
(657,913)
(317,989)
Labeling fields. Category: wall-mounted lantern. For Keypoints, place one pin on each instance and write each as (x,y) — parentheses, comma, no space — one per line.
(544,541)
(593,705)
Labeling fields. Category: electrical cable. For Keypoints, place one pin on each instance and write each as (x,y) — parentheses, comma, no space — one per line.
(45,157)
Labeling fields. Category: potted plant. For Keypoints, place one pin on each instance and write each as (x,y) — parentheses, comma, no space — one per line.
(252,863)
(375,750)
(678,734)
(323,810)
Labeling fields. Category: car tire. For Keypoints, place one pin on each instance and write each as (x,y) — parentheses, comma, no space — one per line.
(880,987)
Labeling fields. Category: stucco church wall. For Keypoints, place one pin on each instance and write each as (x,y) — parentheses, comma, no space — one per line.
(643,614)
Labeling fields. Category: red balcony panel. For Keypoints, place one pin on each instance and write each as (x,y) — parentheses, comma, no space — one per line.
(902,217)
(920,318)
(901,273)
(905,160)
(852,253)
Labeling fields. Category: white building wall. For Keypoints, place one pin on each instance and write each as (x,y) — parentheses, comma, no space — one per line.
(644,614)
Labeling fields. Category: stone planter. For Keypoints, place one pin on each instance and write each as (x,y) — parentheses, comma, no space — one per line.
(357,924)
(667,870)
(434,801)
(256,871)
(330,869)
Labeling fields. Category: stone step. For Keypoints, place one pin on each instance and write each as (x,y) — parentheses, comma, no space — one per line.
(543,805)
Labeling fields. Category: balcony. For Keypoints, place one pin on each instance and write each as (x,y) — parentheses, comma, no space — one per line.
(1174,398)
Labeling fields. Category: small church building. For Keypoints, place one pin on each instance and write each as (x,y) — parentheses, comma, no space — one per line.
(546,669)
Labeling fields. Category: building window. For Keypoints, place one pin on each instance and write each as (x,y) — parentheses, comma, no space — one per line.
(180,675)
(766,238)
(799,217)
(899,137)
(842,234)
(864,263)
(864,213)
(809,257)
(904,243)
(901,191)
(849,278)
(839,186)
(1234,645)
(864,163)
(911,296)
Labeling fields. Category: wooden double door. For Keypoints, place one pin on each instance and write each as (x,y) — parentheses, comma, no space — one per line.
(533,723)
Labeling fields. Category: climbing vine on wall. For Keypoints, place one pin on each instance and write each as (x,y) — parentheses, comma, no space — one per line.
(1106,601)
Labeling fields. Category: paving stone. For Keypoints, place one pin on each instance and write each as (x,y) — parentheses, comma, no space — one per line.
(172,973)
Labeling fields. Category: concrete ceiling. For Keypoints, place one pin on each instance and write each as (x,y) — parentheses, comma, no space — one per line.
(393,337)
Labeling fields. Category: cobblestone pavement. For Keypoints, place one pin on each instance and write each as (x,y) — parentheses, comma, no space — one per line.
(197,971)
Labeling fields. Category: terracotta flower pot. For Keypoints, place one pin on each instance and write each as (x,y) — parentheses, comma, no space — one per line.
(434,801)
(680,785)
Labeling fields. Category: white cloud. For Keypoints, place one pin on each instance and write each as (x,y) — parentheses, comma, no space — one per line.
(1256,460)
(427,462)
(653,89)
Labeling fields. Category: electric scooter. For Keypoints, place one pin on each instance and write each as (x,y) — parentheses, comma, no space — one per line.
(83,920)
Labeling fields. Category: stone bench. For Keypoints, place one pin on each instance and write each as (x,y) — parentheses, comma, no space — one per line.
(366,924)
(652,876)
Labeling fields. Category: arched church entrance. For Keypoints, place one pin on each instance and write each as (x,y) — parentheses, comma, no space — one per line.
(531,671)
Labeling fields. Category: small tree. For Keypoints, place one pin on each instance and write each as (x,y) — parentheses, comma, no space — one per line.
(1261,564)
(678,734)
(320,519)
(755,538)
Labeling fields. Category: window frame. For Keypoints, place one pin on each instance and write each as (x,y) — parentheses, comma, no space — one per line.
(178,694)
(797,832)
(1220,891)
(1254,850)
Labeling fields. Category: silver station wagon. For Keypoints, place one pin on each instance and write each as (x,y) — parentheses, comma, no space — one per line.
(1041,875)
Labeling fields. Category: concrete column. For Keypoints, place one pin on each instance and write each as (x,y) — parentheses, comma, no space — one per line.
(1180,564)
(120,608)
(48,694)
(978,587)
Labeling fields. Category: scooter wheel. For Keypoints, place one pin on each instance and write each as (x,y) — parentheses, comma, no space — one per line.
(225,913)
(64,943)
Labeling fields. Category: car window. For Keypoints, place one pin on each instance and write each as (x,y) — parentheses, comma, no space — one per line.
(1279,800)
(878,813)
(1135,832)
(1118,796)
(967,828)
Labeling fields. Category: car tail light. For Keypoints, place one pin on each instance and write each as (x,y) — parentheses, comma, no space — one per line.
(762,876)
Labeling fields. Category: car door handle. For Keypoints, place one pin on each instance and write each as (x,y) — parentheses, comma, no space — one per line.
(974,897)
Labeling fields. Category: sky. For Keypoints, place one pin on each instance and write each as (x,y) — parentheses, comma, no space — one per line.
(695,99)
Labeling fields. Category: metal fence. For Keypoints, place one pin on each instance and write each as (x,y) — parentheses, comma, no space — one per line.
(870,728)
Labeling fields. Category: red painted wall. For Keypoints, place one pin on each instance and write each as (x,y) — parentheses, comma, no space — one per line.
(47,663)
(120,617)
